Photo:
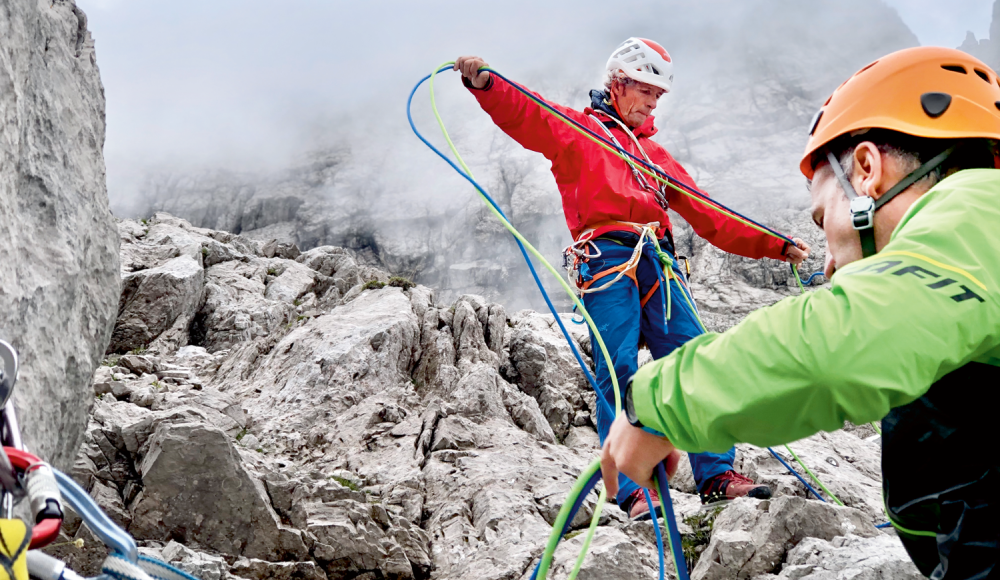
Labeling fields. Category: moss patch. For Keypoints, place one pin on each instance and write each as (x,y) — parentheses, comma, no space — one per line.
(694,544)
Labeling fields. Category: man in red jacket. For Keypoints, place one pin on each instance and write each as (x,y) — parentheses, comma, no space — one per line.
(617,216)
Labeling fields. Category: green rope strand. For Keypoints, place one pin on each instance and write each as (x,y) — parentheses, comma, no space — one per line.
(590,535)
(814,478)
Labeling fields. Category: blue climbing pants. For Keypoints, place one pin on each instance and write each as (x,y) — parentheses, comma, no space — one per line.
(622,321)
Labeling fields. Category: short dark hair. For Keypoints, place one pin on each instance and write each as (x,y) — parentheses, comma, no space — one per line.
(915,151)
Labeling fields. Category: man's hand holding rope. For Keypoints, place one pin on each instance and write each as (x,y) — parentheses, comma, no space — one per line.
(798,253)
(635,453)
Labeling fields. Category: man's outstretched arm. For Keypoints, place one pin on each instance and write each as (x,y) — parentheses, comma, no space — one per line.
(524,120)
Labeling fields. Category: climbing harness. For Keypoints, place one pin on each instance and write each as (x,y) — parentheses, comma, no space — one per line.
(658,192)
(641,168)
(25,476)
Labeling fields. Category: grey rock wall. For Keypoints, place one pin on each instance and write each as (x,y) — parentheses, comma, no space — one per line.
(58,245)
(325,422)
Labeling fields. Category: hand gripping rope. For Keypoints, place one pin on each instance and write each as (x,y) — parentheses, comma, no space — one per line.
(588,480)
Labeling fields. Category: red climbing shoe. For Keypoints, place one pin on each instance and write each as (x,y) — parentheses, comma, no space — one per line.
(639,509)
(731,485)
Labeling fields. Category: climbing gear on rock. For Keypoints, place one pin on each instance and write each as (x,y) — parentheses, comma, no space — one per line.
(644,61)
(731,485)
(25,475)
(929,92)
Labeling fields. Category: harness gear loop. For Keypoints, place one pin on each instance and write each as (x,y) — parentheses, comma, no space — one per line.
(579,253)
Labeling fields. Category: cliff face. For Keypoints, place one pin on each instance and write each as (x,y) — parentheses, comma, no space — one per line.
(300,416)
(59,276)
(986,49)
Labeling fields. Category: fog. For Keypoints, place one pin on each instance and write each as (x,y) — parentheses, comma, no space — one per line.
(212,104)
(251,83)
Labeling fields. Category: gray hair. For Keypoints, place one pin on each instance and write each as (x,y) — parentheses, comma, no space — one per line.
(617,75)
(912,151)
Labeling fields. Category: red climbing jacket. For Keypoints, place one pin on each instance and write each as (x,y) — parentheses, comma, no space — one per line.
(598,189)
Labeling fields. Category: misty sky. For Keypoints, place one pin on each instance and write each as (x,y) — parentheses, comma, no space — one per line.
(248,83)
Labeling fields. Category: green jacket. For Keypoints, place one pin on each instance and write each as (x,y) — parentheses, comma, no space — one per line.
(888,328)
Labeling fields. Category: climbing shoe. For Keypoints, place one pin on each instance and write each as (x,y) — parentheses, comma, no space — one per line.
(637,507)
(731,485)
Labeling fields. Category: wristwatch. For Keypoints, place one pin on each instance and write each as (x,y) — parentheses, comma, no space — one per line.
(630,414)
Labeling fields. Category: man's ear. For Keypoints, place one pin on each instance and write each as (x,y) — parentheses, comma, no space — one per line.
(869,171)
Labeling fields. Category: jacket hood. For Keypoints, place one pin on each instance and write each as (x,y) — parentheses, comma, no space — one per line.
(600,102)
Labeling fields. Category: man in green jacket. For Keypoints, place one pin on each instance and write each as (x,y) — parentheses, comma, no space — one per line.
(902,162)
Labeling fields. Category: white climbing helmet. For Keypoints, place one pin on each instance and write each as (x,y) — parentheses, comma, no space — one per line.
(645,61)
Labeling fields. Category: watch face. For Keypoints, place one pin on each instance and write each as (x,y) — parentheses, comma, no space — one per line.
(629,407)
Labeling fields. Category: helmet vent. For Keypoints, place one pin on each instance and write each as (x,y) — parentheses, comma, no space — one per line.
(866,68)
(955,68)
(997,105)
(983,75)
(815,121)
(935,104)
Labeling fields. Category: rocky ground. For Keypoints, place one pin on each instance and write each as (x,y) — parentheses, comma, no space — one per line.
(266,413)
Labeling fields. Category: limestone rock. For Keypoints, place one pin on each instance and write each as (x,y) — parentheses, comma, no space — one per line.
(543,366)
(156,300)
(849,557)
(58,246)
(195,488)
(139,365)
(259,569)
(751,537)
(613,556)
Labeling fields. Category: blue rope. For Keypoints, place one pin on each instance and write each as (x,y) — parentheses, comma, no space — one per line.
(808,280)
(527,259)
(885,525)
(668,515)
(656,530)
(796,474)
(673,180)
(113,536)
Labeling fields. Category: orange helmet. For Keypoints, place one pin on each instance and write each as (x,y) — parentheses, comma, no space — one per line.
(938,93)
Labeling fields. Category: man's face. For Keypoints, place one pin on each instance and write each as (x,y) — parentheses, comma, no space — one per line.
(831,211)
(636,101)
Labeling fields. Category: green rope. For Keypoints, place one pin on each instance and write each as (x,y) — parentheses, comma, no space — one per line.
(560,523)
(534,252)
(795,270)
(876,428)
(590,534)
(885,509)
(813,476)
(643,169)
(556,529)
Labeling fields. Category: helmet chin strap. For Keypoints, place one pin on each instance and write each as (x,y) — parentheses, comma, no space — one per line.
(863,207)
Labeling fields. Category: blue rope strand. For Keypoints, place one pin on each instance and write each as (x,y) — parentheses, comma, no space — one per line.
(673,180)
(808,280)
(534,274)
(671,522)
(796,474)
(668,515)
(656,531)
